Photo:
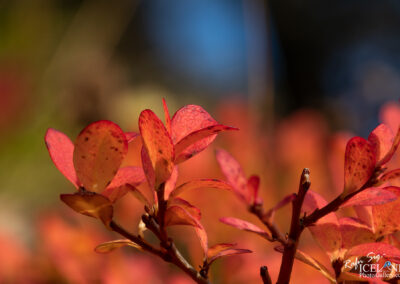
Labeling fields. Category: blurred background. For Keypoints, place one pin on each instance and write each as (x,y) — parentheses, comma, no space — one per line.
(297,77)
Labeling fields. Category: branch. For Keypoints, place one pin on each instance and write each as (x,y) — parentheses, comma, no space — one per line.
(296,228)
(171,254)
(265,275)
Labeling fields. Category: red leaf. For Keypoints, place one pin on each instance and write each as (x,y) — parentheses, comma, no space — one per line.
(61,151)
(354,232)
(233,173)
(112,245)
(99,151)
(245,226)
(228,252)
(381,139)
(114,194)
(253,185)
(359,164)
(389,176)
(326,230)
(387,251)
(131,175)
(189,119)
(148,168)
(370,196)
(130,136)
(197,141)
(200,183)
(176,215)
(90,204)
(191,209)
(167,116)
(286,200)
(171,183)
(158,144)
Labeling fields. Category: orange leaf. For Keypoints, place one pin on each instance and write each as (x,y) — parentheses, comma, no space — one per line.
(167,116)
(200,183)
(112,245)
(390,175)
(158,144)
(130,136)
(176,215)
(216,249)
(61,152)
(99,151)
(90,204)
(171,183)
(191,209)
(228,252)
(354,232)
(359,164)
(385,250)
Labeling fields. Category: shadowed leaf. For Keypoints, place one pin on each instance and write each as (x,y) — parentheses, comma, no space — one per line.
(387,251)
(394,174)
(90,204)
(234,174)
(245,226)
(200,183)
(158,144)
(61,151)
(99,151)
(359,164)
(228,252)
(112,245)
(202,235)
(354,232)
(326,231)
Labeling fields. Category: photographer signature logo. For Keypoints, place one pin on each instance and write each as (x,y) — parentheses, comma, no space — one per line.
(371,266)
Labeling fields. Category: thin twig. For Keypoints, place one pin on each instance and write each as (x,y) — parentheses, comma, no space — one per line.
(296,228)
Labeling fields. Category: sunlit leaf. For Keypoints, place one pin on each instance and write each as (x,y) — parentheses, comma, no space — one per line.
(148,168)
(386,217)
(99,151)
(61,151)
(191,209)
(245,226)
(371,196)
(199,184)
(171,183)
(389,155)
(189,119)
(176,215)
(233,173)
(381,139)
(158,144)
(90,204)
(203,238)
(131,175)
(112,245)
(197,141)
(167,116)
(359,164)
